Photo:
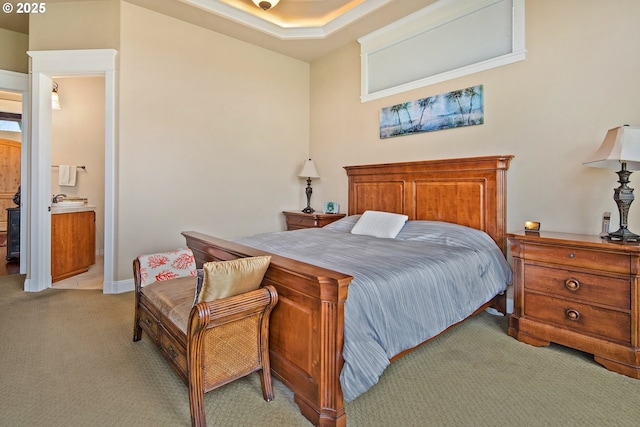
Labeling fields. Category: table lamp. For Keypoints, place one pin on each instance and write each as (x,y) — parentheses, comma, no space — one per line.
(308,171)
(620,149)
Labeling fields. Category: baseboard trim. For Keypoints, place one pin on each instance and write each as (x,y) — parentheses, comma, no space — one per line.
(118,287)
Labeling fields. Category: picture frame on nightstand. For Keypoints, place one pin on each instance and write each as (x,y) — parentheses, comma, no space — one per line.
(331,207)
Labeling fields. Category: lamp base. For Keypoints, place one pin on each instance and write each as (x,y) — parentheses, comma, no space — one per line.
(623,196)
(309,191)
(623,235)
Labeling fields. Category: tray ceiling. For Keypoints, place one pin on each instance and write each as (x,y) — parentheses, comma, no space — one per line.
(303,29)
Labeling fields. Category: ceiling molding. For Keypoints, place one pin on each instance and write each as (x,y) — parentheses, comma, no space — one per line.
(290,29)
(302,29)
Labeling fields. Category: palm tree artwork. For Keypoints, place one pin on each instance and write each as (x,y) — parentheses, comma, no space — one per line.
(464,107)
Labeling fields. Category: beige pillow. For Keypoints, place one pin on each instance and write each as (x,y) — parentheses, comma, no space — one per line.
(228,278)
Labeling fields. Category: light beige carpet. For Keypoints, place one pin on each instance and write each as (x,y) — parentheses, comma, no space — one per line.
(67,359)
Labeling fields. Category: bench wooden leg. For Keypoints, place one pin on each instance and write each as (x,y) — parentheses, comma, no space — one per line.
(267,384)
(196,407)
(137,329)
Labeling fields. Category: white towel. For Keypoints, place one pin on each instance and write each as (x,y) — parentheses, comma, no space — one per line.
(67,176)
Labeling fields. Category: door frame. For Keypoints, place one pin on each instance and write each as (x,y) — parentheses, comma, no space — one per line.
(44,66)
(19,82)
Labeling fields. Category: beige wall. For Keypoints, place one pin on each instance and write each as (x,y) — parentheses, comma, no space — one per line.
(212,134)
(13,51)
(551,111)
(77,138)
(76,25)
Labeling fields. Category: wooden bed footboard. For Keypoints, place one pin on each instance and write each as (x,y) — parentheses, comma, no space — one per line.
(306,327)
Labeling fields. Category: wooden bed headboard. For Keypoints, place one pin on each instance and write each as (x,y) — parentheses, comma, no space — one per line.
(468,191)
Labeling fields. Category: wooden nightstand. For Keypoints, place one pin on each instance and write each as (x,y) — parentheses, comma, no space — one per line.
(298,220)
(579,291)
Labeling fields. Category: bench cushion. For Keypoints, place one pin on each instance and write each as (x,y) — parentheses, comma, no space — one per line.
(168,294)
(179,315)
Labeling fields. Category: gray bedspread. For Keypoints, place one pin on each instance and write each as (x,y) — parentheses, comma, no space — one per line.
(405,290)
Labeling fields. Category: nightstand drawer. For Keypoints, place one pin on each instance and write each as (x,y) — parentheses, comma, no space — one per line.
(582,318)
(576,257)
(606,290)
(298,220)
(302,221)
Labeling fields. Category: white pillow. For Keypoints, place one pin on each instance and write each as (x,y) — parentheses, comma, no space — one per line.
(379,224)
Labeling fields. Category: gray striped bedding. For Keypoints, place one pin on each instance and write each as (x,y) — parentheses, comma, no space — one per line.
(405,290)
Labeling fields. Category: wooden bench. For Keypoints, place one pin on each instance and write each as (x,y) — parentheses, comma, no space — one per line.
(203,342)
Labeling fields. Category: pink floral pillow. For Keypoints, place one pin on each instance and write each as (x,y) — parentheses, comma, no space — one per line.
(166,265)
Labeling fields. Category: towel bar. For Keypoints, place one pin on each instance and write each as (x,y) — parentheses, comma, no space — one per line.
(78,167)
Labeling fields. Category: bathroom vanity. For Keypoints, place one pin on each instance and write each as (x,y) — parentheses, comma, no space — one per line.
(73,241)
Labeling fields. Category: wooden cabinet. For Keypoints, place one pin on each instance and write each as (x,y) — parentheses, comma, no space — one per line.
(73,243)
(298,220)
(579,291)
(9,177)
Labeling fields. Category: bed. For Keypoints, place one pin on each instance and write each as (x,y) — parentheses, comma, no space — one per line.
(307,336)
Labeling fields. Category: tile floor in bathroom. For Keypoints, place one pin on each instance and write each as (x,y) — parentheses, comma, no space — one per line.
(92,279)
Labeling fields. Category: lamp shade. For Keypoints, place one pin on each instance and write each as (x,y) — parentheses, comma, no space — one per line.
(309,170)
(620,145)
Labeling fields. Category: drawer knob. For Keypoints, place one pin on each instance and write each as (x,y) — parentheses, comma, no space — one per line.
(572,255)
(172,352)
(572,284)
(572,314)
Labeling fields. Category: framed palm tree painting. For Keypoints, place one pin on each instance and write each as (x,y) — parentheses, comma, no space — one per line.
(464,107)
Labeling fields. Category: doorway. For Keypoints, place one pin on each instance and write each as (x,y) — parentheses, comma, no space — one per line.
(17,84)
(10,150)
(44,66)
(77,144)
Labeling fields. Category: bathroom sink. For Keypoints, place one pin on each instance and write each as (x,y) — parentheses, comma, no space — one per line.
(69,203)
